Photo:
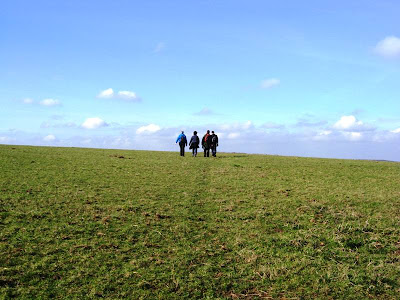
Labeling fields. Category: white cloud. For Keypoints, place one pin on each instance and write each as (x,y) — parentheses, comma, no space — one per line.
(353,136)
(396,130)
(108,93)
(128,95)
(347,122)
(233,135)
(50,102)
(247,125)
(49,138)
(323,135)
(160,47)
(28,101)
(325,132)
(124,95)
(93,123)
(269,83)
(236,126)
(350,123)
(7,139)
(47,124)
(389,47)
(316,142)
(347,128)
(151,128)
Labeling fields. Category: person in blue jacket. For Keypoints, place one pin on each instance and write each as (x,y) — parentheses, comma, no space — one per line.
(182,142)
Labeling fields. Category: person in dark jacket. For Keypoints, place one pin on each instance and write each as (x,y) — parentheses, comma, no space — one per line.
(214,143)
(194,143)
(205,143)
(182,142)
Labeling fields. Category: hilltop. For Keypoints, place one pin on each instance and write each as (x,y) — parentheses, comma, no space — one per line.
(141,224)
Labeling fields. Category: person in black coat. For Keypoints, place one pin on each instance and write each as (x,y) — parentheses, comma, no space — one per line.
(214,143)
(205,143)
(194,143)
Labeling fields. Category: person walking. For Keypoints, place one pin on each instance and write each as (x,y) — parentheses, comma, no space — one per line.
(194,143)
(182,142)
(214,143)
(205,143)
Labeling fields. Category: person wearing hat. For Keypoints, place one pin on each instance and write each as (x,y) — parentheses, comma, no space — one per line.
(194,143)
(182,142)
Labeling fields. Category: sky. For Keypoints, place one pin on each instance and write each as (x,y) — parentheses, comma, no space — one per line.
(300,78)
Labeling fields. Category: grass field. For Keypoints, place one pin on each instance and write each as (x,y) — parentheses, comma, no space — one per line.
(90,223)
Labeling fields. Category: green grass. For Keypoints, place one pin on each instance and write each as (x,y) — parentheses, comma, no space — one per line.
(89,223)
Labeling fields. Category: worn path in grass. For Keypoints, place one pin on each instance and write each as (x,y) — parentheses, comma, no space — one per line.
(86,223)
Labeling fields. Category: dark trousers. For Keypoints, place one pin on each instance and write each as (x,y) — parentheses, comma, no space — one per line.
(182,146)
(214,150)
(206,152)
(194,151)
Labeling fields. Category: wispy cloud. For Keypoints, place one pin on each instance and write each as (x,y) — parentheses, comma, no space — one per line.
(358,111)
(269,83)
(49,138)
(204,112)
(50,102)
(123,95)
(233,135)
(353,136)
(322,135)
(388,120)
(389,47)
(308,123)
(236,126)
(57,117)
(128,95)
(272,125)
(7,139)
(159,47)
(58,125)
(27,101)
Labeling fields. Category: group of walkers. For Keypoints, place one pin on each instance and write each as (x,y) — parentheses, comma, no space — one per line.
(208,142)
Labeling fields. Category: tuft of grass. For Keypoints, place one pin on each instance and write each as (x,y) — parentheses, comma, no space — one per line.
(88,223)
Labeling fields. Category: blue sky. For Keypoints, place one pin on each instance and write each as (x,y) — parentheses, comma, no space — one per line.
(309,78)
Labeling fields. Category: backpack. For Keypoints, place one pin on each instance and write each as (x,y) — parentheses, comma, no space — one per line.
(183,140)
(214,139)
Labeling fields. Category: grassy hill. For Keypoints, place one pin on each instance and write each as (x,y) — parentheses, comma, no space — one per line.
(139,224)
